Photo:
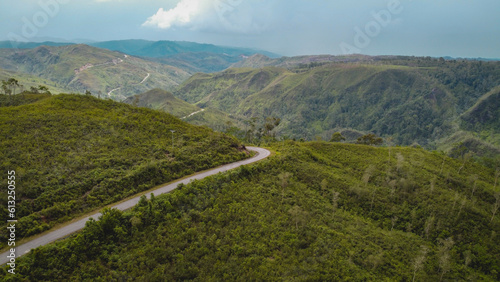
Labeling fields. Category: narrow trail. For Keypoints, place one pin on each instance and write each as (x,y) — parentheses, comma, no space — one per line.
(144,80)
(73,227)
(192,114)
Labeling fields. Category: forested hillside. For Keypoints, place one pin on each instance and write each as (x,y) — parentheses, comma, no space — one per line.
(315,211)
(412,100)
(78,68)
(73,154)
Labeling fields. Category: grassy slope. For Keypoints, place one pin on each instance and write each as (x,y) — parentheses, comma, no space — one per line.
(75,153)
(109,69)
(282,219)
(162,100)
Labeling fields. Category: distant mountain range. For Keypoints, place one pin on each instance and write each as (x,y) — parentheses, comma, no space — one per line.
(189,56)
(146,48)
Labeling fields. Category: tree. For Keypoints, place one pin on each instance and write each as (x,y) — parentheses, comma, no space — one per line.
(13,83)
(88,93)
(418,264)
(6,88)
(444,255)
(271,123)
(44,89)
(34,90)
(370,139)
(136,101)
(337,137)
(298,214)
(284,177)
(495,206)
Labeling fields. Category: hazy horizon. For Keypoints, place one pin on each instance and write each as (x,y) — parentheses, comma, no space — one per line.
(455,28)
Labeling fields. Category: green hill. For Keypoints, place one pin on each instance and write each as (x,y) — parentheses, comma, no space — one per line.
(73,154)
(162,100)
(412,100)
(165,101)
(103,72)
(315,212)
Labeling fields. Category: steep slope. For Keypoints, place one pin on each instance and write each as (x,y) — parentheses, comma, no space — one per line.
(484,116)
(410,99)
(315,212)
(162,100)
(75,153)
(81,67)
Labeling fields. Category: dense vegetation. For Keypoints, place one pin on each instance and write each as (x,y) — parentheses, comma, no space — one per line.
(316,211)
(75,153)
(484,117)
(412,100)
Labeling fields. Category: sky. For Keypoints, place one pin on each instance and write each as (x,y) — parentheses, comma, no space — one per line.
(456,28)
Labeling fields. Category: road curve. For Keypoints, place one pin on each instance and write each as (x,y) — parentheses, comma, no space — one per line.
(77,225)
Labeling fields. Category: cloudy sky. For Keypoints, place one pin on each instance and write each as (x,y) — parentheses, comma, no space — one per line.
(459,28)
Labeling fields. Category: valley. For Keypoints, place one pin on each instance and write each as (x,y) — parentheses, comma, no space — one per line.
(370,167)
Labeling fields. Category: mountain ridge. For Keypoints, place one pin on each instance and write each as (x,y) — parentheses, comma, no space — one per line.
(81,67)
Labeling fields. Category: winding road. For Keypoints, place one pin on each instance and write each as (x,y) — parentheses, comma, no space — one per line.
(79,224)
(144,80)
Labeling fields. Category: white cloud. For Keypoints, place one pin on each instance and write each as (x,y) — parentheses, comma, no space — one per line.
(185,13)
(238,16)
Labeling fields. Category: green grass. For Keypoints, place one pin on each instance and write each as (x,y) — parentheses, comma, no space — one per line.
(75,153)
(315,211)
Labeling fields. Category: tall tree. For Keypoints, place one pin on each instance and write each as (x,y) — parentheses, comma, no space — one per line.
(370,139)
(13,83)
(337,137)
(6,88)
